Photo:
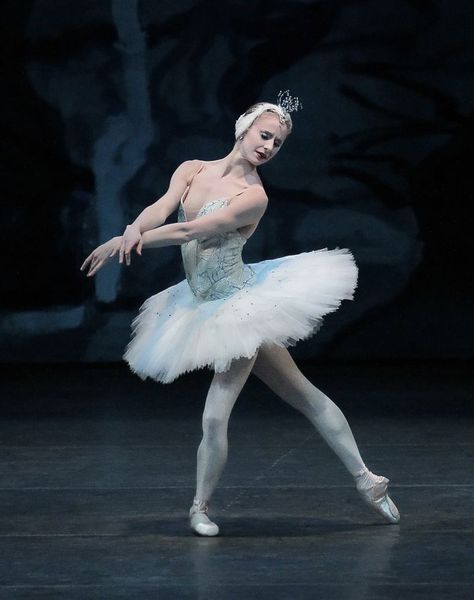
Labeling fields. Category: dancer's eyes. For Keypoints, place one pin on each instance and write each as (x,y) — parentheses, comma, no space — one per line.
(267,136)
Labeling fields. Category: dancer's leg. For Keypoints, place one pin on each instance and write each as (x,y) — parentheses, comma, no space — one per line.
(276,368)
(212,452)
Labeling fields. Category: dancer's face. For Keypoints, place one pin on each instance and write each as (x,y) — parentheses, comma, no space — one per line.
(263,139)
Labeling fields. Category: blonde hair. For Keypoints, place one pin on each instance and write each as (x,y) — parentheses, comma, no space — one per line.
(246,119)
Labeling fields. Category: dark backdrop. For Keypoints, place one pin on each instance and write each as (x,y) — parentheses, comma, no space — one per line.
(102,99)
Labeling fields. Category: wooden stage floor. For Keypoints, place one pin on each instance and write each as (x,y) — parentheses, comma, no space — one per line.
(98,469)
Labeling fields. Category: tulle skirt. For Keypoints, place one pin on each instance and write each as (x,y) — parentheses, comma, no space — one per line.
(176,332)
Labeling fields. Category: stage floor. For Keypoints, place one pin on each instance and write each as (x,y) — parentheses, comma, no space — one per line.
(98,469)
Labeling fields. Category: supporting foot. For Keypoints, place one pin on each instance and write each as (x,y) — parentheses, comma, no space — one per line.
(373,489)
(199,521)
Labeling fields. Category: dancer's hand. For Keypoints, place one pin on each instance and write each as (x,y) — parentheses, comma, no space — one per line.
(132,238)
(101,255)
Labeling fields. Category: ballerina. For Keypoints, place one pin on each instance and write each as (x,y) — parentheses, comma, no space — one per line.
(238,318)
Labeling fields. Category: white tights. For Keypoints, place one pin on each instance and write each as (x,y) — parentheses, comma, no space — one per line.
(276,368)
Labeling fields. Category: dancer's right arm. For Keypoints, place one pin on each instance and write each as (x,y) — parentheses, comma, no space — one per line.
(157,213)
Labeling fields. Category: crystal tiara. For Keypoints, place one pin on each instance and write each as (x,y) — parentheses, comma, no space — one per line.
(288,103)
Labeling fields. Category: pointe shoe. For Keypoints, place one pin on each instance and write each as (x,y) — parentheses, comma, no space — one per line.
(199,521)
(373,489)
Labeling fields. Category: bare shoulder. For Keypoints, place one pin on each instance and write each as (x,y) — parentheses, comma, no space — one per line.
(257,193)
(187,168)
(252,201)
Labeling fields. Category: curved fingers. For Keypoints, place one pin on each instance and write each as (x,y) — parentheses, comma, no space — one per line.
(87,261)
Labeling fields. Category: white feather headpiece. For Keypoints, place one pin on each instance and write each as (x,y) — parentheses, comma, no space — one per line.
(286,104)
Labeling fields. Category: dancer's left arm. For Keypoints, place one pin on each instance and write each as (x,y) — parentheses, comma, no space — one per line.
(247,210)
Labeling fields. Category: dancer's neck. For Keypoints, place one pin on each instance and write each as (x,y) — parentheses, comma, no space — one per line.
(236,166)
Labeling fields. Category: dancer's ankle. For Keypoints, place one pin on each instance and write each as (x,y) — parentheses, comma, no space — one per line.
(363,471)
(365,479)
(199,520)
(199,505)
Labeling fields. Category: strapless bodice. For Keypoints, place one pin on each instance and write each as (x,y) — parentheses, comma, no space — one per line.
(213,266)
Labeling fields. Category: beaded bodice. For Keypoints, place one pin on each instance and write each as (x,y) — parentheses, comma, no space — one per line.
(213,266)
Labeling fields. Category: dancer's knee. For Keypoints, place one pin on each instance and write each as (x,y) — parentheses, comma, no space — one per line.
(298,391)
(307,398)
(214,427)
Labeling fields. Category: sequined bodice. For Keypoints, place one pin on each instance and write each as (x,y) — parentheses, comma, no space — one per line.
(213,266)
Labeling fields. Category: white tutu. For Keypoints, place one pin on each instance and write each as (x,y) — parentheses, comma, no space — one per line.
(286,299)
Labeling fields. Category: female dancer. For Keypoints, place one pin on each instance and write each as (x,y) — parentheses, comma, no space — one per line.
(233,317)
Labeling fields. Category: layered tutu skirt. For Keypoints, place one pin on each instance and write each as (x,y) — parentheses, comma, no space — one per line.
(284,301)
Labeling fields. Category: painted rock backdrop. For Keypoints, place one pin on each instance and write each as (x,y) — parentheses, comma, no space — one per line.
(104,98)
